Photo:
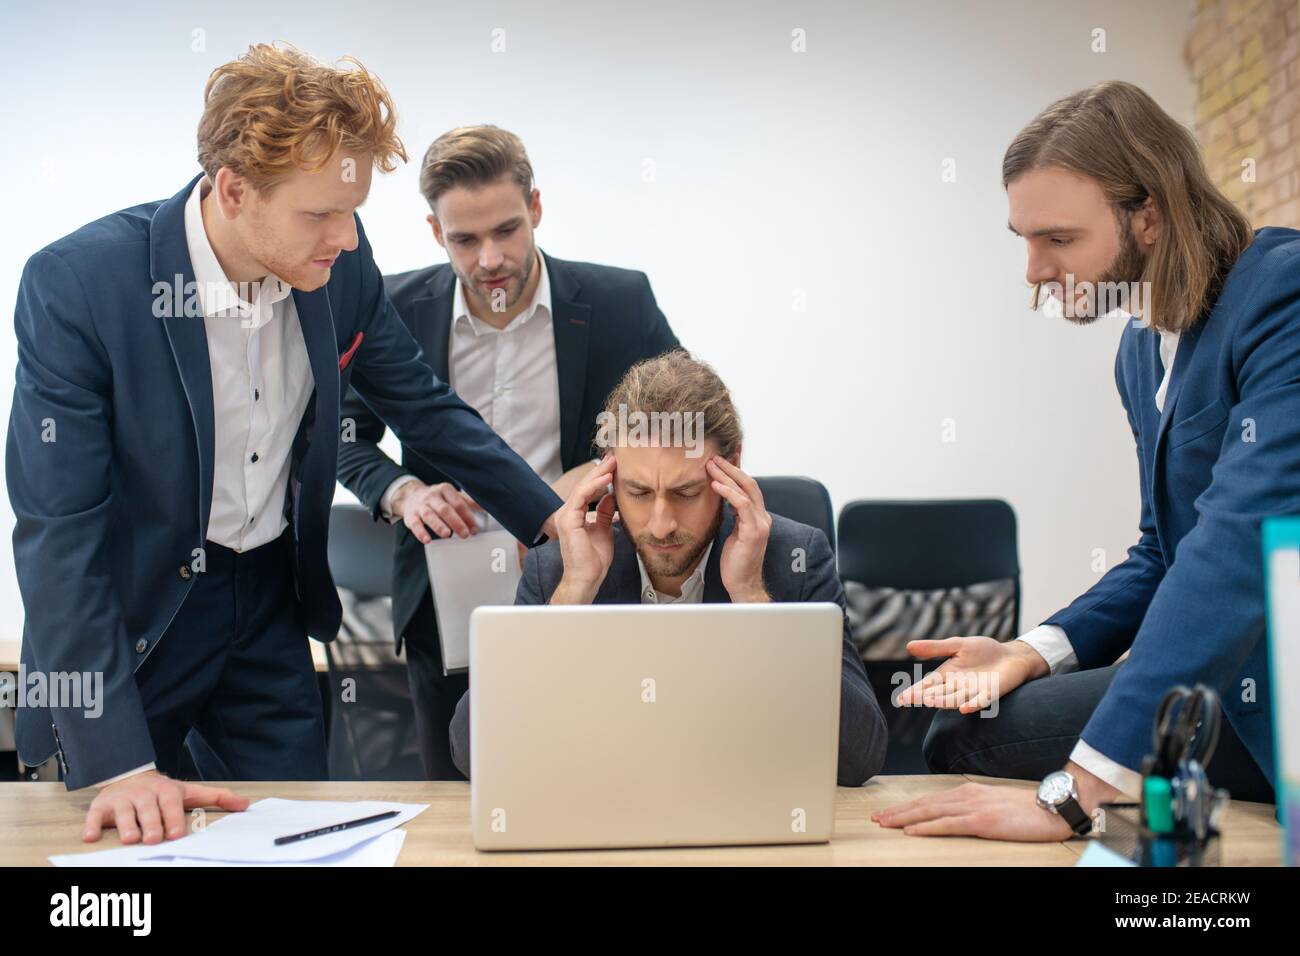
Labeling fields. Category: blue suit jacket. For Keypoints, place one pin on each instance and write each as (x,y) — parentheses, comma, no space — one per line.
(604,319)
(1188,602)
(110,513)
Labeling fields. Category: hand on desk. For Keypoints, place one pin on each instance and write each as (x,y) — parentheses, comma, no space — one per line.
(993,812)
(977,672)
(151,802)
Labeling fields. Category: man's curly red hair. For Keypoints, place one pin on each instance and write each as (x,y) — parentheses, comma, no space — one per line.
(276,110)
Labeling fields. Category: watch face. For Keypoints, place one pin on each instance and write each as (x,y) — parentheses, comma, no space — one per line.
(1055,788)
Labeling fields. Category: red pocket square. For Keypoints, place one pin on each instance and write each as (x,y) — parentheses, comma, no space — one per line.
(346,357)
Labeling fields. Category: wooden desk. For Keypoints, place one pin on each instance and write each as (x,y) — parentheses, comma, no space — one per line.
(40,819)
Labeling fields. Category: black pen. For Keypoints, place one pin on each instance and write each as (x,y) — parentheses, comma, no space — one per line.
(280,841)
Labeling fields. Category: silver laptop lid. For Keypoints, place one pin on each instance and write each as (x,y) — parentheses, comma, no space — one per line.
(622,726)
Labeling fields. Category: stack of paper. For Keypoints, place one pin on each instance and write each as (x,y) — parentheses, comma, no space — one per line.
(248,838)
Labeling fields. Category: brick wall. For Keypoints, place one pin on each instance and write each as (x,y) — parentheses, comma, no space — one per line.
(1245,58)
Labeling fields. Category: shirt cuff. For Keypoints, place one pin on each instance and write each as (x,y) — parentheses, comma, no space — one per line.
(1050,641)
(122,776)
(1099,765)
(386,500)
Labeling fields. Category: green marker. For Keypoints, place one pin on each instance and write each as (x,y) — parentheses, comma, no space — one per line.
(1158,798)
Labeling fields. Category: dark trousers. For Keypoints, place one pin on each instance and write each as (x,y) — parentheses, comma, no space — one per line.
(434,695)
(1038,725)
(233,674)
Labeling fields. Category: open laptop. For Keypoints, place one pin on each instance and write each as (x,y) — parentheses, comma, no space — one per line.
(631,726)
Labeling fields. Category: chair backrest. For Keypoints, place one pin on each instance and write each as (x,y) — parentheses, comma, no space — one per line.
(374,738)
(930,545)
(800,499)
(911,569)
(921,545)
(360,551)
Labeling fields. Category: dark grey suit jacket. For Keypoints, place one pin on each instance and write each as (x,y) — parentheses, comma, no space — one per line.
(863,735)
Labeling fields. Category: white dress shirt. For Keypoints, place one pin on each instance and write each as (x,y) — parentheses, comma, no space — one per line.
(261,383)
(510,377)
(1052,643)
(692,587)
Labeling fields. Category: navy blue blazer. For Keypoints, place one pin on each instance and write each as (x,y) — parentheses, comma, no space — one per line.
(864,735)
(110,514)
(1188,602)
(604,320)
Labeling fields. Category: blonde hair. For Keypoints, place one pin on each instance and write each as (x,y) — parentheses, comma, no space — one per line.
(1119,136)
(675,383)
(474,156)
(275,110)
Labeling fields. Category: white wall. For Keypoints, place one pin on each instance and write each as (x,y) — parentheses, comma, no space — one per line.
(777,175)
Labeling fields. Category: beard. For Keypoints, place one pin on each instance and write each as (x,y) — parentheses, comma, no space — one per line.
(676,564)
(304,278)
(280,259)
(514,289)
(1124,269)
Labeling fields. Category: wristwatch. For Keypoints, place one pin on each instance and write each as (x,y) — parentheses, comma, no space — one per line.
(1058,794)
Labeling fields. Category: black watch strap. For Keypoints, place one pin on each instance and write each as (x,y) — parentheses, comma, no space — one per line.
(1073,814)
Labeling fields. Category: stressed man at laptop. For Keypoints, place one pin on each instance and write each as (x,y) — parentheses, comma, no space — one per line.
(684,524)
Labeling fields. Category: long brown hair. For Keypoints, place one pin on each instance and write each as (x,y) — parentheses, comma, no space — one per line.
(1119,136)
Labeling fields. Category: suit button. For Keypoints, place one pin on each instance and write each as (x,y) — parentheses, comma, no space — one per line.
(185,572)
(141,646)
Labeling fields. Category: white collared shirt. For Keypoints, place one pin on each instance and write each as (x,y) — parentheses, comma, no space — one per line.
(510,377)
(1052,643)
(692,587)
(1168,349)
(261,383)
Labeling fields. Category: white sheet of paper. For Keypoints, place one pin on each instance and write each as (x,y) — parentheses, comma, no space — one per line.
(466,573)
(249,837)
(382,850)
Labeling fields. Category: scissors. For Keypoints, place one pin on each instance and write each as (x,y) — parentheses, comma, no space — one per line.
(1186,728)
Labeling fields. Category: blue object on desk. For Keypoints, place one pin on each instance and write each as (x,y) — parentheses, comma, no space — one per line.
(1098,855)
(1281,538)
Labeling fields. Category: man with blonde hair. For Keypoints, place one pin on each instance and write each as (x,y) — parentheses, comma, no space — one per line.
(692,528)
(173,441)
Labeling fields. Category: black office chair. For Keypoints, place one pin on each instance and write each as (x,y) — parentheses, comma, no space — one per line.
(800,499)
(924,569)
(372,734)
(360,551)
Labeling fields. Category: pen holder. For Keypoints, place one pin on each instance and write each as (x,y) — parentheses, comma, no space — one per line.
(1121,830)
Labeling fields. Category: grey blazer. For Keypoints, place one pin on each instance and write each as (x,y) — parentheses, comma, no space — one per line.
(863,735)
